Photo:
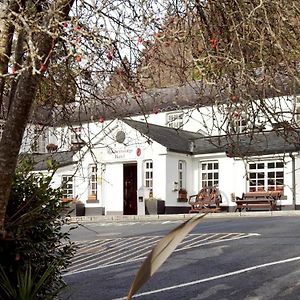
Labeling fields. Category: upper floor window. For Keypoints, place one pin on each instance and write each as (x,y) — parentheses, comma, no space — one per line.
(175,120)
(266,176)
(209,172)
(181,174)
(39,140)
(67,186)
(76,135)
(1,129)
(148,174)
(238,122)
(297,109)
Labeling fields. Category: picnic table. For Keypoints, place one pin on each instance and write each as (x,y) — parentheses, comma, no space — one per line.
(207,200)
(261,199)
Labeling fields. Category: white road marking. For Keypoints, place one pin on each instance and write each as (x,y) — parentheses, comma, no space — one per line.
(218,241)
(102,267)
(136,255)
(215,277)
(94,257)
(84,250)
(205,239)
(114,257)
(134,223)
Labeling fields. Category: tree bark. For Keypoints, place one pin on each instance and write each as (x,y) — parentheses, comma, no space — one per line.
(22,102)
(12,136)
(6,38)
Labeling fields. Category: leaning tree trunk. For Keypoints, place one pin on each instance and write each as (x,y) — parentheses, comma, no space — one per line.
(22,102)
(12,136)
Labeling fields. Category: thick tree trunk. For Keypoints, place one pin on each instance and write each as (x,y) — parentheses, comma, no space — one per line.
(12,136)
(22,102)
(6,38)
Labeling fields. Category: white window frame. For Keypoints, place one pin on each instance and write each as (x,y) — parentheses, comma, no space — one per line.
(67,186)
(266,176)
(148,174)
(239,122)
(40,140)
(209,174)
(175,120)
(297,109)
(182,174)
(1,128)
(93,185)
(76,135)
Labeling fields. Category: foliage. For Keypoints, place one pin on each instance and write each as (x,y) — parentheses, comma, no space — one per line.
(35,243)
(27,286)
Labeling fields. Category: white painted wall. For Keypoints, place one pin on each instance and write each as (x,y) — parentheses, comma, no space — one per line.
(112,188)
(297,177)
(172,160)
(229,180)
(110,157)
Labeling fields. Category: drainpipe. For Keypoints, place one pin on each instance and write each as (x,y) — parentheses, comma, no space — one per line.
(293,179)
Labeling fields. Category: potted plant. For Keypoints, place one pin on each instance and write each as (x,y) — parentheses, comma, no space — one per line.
(182,195)
(79,208)
(74,206)
(154,206)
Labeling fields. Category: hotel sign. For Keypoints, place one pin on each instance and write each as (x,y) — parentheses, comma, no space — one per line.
(121,153)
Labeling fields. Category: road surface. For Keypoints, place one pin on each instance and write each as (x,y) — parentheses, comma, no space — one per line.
(246,258)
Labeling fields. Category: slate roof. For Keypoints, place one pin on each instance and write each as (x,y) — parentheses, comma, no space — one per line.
(192,94)
(238,145)
(255,143)
(40,160)
(173,139)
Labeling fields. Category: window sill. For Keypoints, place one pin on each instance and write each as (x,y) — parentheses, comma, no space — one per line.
(89,201)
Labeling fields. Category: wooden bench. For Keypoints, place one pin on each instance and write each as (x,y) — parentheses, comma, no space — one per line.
(207,200)
(258,200)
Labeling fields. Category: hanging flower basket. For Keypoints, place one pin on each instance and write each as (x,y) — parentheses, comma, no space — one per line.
(182,195)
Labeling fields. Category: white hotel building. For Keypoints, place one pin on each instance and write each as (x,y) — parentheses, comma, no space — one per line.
(113,166)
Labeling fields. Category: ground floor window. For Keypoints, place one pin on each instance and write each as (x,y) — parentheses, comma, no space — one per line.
(93,182)
(209,174)
(181,174)
(266,176)
(67,186)
(148,174)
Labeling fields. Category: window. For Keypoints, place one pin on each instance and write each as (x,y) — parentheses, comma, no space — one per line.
(297,109)
(148,174)
(266,176)
(93,181)
(238,122)
(209,172)
(181,174)
(175,120)
(76,135)
(40,140)
(67,186)
(1,129)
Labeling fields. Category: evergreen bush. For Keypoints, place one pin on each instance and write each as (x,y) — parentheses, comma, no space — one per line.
(35,242)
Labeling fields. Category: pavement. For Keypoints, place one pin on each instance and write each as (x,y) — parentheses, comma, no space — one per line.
(170,217)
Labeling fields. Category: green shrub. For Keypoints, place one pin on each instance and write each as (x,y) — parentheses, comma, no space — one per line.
(35,242)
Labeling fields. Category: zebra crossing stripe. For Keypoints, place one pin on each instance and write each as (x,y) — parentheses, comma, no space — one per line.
(119,251)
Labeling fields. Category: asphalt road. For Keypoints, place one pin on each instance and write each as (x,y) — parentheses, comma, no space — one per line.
(246,258)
